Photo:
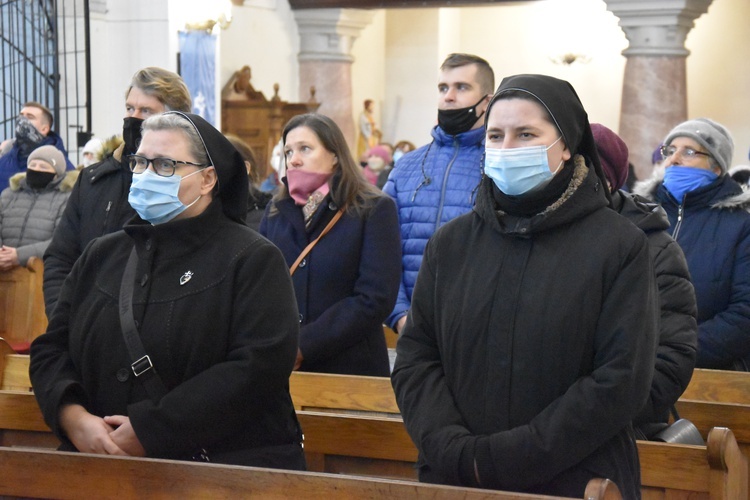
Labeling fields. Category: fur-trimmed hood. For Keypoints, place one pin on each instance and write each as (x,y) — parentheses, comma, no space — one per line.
(729,199)
(63,185)
(584,194)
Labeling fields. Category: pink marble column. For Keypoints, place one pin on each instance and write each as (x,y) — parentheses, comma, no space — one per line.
(325,61)
(333,90)
(654,99)
(654,88)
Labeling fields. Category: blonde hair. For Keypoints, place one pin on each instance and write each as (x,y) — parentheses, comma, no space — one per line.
(168,87)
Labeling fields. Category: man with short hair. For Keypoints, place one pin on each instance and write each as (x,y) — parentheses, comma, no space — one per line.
(98,204)
(33,130)
(438,182)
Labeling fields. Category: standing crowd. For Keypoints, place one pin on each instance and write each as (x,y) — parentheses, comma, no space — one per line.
(544,312)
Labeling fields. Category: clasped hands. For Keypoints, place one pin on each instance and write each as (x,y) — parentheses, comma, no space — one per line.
(113,435)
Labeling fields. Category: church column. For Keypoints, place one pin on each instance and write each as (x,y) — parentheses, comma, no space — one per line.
(654,90)
(325,61)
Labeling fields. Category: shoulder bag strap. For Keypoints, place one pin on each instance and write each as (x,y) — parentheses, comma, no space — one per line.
(142,367)
(315,241)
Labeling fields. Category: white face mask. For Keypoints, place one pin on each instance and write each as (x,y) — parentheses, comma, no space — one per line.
(516,171)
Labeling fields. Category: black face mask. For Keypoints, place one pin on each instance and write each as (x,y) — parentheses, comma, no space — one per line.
(28,137)
(36,179)
(458,121)
(131,135)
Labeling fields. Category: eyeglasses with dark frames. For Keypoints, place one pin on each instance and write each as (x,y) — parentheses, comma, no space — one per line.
(667,151)
(164,167)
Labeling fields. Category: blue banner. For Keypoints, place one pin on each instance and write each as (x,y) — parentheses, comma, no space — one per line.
(198,69)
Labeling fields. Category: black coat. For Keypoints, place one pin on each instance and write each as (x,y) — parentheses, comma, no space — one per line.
(97,206)
(224,342)
(345,287)
(530,346)
(678,330)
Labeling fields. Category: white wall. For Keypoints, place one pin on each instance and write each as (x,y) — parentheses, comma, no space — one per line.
(514,38)
(718,71)
(368,70)
(131,35)
(263,35)
(397,56)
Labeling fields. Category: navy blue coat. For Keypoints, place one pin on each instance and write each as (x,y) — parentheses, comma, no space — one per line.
(345,287)
(713,228)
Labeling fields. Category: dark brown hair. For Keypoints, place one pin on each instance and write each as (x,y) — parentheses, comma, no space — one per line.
(485,75)
(352,190)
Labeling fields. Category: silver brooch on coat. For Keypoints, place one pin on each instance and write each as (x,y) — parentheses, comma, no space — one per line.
(186,277)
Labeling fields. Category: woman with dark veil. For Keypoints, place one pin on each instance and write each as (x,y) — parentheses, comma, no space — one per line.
(530,343)
(175,337)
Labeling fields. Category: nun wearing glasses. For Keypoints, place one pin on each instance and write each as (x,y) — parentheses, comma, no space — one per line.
(209,302)
(708,218)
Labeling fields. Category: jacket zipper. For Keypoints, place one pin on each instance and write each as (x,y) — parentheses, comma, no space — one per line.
(445,183)
(106,216)
(677,226)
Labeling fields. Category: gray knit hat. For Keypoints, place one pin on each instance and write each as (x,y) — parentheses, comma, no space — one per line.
(711,135)
(51,155)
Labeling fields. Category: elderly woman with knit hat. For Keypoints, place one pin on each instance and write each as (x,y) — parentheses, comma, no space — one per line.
(31,207)
(529,347)
(175,337)
(678,330)
(708,217)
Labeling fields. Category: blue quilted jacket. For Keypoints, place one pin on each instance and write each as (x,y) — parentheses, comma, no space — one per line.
(431,186)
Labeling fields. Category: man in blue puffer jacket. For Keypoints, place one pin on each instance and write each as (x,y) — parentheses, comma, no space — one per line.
(438,182)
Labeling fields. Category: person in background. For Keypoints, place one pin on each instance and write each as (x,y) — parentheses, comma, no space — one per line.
(31,207)
(347,284)
(33,129)
(708,217)
(438,181)
(529,346)
(211,302)
(377,166)
(98,204)
(271,183)
(678,330)
(92,152)
(401,148)
(256,199)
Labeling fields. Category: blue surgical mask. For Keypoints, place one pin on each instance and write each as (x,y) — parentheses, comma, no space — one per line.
(516,171)
(680,180)
(155,198)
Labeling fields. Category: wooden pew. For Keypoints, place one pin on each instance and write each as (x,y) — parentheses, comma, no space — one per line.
(391,337)
(360,395)
(22,316)
(377,446)
(14,369)
(45,474)
(380,447)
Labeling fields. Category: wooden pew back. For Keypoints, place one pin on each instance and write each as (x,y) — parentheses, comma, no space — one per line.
(44,474)
(22,316)
(376,446)
(718,386)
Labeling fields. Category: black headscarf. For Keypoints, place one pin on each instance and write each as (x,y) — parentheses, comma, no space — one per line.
(560,100)
(229,165)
